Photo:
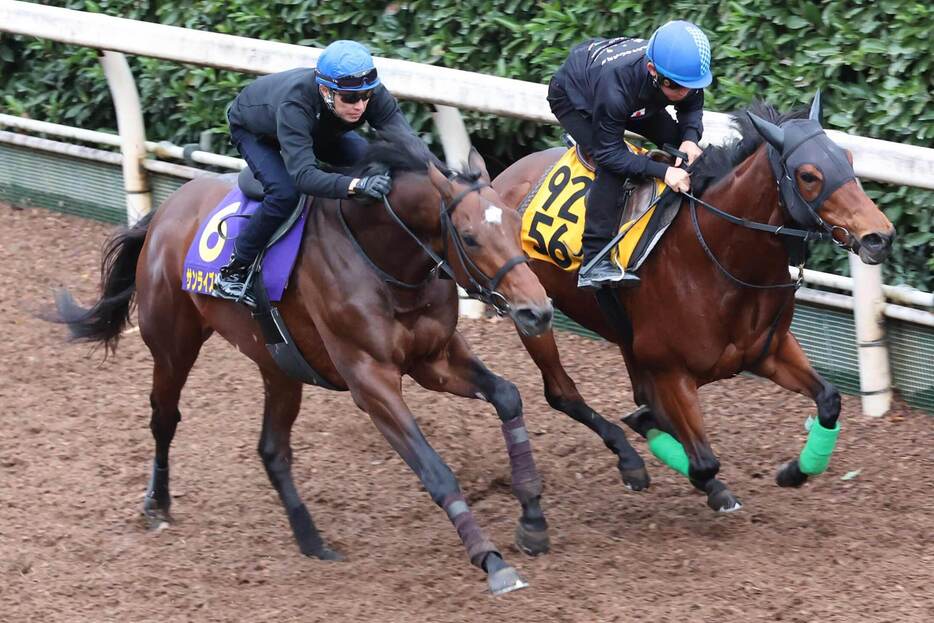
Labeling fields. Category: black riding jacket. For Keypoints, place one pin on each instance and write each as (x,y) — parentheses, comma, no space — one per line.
(286,109)
(609,82)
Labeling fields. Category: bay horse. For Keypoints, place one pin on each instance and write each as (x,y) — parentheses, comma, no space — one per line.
(365,305)
(714,299)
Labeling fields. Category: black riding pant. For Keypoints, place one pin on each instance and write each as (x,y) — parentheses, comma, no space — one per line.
(603,214)
(281,195)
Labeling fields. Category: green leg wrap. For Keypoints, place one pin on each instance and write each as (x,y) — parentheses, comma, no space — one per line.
(668,450)
(820,444)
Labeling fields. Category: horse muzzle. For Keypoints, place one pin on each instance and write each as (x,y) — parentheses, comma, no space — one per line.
(533,320)
(874,248)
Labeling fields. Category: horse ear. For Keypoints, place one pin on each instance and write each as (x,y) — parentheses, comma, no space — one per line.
(440,182)
(475,163)
(769,131)
(816,108)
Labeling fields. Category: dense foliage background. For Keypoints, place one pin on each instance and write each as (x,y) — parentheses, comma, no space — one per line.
(874,59)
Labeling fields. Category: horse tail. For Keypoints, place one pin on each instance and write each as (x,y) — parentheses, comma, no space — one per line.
(106,319)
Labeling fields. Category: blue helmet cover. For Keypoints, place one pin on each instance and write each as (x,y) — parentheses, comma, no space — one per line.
(680,51)
(343,59)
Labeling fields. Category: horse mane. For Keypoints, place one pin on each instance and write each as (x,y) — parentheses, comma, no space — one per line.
(718,160)
(403,155)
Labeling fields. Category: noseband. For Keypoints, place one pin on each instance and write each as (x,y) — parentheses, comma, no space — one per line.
(479,286)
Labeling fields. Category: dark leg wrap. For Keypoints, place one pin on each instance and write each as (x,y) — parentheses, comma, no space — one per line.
(158,491)
(526,483)
(477,544)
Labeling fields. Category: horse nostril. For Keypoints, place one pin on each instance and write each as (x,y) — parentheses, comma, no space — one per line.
(875,242)
(534,317)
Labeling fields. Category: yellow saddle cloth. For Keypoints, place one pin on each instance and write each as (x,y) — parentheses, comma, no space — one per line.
(553,219)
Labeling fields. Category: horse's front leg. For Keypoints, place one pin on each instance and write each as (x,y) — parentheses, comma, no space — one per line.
(459,372)
(377,389)
(674,397)
(561,393)
(789,367)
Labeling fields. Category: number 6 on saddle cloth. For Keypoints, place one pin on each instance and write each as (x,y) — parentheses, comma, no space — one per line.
(270,273)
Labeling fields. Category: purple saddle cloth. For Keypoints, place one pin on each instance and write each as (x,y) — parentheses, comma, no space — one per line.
(209,250)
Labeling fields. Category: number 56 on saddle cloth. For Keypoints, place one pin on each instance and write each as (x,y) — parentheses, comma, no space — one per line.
(553,216)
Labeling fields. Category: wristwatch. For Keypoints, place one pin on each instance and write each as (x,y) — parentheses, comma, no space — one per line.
(352,189)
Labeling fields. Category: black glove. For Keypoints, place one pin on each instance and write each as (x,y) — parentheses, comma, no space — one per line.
(376,186)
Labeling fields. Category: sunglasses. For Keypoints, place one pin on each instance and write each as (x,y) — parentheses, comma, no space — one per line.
(352,97)
(355,81)
(668,83)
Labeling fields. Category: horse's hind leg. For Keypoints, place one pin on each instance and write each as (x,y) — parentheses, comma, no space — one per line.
(377,389)
(460,373)
(789,367)
(561,393)
(174,349)
(283,399)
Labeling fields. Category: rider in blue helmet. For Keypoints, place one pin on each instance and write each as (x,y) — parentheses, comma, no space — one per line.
(608,86)
(283,124)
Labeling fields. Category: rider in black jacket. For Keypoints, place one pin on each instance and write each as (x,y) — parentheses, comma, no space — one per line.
(608,86)
(284,123)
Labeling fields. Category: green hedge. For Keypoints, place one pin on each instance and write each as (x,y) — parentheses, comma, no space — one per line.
(873,59)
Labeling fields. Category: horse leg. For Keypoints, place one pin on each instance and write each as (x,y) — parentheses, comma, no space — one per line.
(377,389)
(664,444)
(459,372)
(174,351)
(674,396)
(789,367)
(283,397)
(561,393)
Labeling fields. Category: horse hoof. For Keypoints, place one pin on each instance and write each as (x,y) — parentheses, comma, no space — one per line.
(505,580)
(723,501)
(326,553)
(790,475)
(532,542)
(635,479)
(157,516)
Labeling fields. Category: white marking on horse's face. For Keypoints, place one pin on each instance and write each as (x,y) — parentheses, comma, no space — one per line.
(493,215)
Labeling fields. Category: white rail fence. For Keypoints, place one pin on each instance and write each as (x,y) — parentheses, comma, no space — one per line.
(448,90)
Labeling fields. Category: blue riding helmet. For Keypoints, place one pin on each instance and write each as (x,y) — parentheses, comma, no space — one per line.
(346,66)
(681,52)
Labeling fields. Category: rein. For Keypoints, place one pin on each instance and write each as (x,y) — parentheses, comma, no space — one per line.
(779,230)
(482,288)
(783,180)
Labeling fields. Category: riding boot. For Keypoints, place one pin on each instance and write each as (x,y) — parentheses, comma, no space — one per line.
(231,282)
(598,228)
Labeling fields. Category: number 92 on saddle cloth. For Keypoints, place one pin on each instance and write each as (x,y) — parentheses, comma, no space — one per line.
(553,216)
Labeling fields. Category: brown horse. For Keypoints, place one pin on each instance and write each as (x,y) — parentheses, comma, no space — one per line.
(355,321)
(714,299)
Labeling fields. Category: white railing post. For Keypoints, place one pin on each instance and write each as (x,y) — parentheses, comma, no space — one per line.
(132,134)
(868,306)
(456,145)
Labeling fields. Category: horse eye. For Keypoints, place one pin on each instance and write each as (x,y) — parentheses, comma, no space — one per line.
(809,178)
(470,241)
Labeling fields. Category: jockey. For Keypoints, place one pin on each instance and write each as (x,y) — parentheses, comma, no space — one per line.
(608,86)
(283,123)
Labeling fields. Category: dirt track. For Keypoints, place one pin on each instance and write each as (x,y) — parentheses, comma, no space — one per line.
(75,452)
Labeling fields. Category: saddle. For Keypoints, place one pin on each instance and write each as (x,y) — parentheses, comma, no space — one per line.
(213,245)
(249,185)
(553,213)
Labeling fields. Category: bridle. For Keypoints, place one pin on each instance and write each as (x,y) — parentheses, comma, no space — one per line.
(479,286)
(798,209)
